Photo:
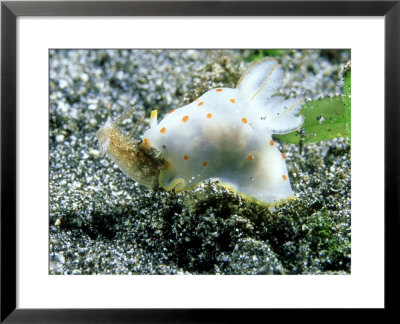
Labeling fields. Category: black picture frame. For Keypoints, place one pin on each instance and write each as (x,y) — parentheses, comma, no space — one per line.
(10,10)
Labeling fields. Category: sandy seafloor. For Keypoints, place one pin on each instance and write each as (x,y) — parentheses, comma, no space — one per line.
(102,222)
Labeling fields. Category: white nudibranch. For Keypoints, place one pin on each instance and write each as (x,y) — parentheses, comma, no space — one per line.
(225,134)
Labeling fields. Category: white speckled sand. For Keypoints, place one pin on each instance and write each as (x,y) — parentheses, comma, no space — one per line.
(103,222)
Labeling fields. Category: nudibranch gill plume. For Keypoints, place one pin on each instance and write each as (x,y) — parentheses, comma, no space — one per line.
(225,134)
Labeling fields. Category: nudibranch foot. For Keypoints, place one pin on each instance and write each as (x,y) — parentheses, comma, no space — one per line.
(136,158)
(272,201)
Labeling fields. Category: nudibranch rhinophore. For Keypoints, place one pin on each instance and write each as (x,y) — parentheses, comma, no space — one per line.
(225,134)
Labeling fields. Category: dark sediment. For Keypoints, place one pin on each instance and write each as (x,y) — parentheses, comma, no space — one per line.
(102,222)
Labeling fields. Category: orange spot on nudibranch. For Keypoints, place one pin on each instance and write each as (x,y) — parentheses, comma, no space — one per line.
(196,99)
(163,130)
(283,156)
(186,157)
(205,163)
(271,142)
(185,118)
(209,115)
(251,157)
(284,177)
(201,103)
(171,111)
(218,90)
(146,141)
(244,120)
(232,100)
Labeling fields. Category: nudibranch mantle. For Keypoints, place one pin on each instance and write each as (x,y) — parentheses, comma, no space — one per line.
(225,134)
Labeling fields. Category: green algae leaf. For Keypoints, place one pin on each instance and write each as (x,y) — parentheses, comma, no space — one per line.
(347,101)
(324,119)
(259,54)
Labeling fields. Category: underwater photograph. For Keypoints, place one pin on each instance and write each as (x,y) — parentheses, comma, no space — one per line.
(200,161)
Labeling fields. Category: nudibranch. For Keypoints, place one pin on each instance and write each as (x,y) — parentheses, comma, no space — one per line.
(225,134)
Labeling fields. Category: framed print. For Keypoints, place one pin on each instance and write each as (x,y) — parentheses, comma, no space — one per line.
(197,160)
